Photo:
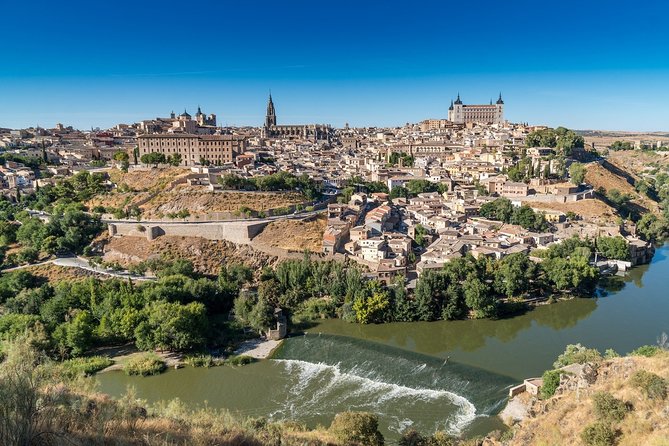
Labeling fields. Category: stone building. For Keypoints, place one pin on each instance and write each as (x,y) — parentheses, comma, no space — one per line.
(312,132)
(460,113)
(194,149)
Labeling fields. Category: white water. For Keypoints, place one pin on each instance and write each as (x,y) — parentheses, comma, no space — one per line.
(320,388)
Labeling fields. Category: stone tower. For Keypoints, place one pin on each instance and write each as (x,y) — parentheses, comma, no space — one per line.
(456,114)
(270,116)
(500,110)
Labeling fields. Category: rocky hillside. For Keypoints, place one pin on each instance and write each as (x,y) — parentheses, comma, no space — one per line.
(607,177)
(620,401)
(294,235)
(207,255)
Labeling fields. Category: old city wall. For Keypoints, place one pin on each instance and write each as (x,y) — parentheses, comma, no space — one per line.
(236,232)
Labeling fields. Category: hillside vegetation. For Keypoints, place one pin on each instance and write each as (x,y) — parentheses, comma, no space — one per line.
(626,404)
(154,194)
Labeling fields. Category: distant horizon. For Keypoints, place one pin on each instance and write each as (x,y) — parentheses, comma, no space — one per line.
(587,65)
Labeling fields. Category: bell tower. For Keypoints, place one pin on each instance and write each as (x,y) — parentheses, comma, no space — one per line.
(270,116)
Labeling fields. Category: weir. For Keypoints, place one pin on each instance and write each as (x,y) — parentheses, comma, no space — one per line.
(333,373)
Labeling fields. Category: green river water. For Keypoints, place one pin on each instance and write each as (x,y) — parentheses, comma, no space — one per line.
(449,375)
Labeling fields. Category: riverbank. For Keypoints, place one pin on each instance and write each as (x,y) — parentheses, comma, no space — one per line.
(390,369)
(258,348)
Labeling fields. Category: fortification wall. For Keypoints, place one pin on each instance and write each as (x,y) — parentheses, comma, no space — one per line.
(236,232)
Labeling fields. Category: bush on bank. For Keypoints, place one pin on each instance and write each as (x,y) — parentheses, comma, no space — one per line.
(145,364)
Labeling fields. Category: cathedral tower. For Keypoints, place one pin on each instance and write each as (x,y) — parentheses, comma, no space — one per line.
(270,116)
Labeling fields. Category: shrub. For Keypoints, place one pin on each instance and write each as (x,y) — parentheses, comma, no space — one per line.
(202,361)
(441,438)
(608,407)
(610,354)
(652,385)
(86,366)
(239,360)
(577,354)
(646,350)
(551,382)
(599,434)
(357,428)
(145,364)
(411,437)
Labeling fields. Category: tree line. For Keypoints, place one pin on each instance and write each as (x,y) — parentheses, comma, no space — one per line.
(502,210)
(178,311)
(280,181)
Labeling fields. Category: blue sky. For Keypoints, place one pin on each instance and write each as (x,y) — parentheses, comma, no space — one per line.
(587,64)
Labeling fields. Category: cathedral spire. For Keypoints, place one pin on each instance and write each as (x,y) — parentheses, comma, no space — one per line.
(500,101)
(270,116)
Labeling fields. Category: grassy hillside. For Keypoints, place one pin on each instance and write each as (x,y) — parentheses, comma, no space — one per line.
(626,405)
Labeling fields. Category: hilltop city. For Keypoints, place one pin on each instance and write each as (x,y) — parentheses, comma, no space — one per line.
(397,200)
(175,241)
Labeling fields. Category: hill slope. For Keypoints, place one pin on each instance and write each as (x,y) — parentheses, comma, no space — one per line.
(561,420)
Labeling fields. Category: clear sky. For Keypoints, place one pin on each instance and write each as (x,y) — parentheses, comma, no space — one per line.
(584,64)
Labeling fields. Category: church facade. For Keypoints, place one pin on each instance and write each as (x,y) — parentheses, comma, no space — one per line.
(460,113)
(311,132)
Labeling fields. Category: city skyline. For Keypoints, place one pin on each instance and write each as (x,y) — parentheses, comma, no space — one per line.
(585,66)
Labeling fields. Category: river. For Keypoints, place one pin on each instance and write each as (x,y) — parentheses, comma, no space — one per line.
(449,375)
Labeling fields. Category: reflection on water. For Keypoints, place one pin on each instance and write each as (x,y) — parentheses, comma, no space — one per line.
(447,374)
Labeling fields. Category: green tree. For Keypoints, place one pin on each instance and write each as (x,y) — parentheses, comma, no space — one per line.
(172,326)
(121,156)
(577,173)
(426,295)
(613,247)
(77,335)
(372,308)
(479,298)
(174,159)
(154,158)
(514,274)
(499,209)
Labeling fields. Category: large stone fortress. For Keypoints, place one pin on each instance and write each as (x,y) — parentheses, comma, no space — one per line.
(311,132)
(486,114)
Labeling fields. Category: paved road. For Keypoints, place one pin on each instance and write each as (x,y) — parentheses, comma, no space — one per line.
(16,268)
(81,263)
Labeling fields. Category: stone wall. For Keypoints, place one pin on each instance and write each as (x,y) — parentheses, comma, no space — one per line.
(550,198)
(236,232)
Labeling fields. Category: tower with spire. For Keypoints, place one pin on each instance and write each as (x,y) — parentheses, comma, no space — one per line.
(455,113)
(270,115)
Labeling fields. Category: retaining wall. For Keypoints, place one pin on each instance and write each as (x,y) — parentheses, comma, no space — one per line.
(236,232)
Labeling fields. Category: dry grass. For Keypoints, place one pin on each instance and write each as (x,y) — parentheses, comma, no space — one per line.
(150,180)
(294,235)
(600,177)
(54,273)
(137,186)
(207,255)
(591,209)
(198,200)
(566,415)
